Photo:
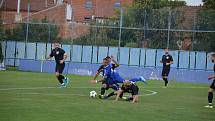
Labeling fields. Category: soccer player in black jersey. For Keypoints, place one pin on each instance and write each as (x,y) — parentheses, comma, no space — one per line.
(60,57)
(128,87)
(166,60)
(212,86)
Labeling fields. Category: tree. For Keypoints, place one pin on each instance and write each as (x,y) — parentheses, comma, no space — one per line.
(205,41)
(44,32)
(153,16)
(209,4)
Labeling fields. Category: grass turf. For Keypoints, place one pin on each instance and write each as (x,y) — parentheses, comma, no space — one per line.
(22,100)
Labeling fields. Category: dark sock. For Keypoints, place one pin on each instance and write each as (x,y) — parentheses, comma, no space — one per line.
(166,81)
(121,95)
(102,91)
(60,79)
(210,97)
(111,94)
(130,99)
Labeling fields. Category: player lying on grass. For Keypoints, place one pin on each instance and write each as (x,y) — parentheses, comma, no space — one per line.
(132,81)
(60,57)
(107,63)
(212,86)
(128,87)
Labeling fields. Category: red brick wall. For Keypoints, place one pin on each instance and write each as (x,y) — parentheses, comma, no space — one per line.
(36,5)
(190,12)
(56,14)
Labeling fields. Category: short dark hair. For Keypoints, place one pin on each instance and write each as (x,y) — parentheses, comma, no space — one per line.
(57,40)
(105,59)
(108,57)
(213,54)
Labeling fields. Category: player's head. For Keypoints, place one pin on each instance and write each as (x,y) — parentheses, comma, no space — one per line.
(105,62)
(127,84)
(109,58)
(56,44)
(213,57)
(166,51)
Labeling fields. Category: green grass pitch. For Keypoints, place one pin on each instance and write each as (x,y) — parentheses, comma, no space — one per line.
(27,96)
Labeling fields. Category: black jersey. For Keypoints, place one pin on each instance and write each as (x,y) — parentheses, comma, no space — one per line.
(133,89)
(58,53)
(214,68)
(167,58)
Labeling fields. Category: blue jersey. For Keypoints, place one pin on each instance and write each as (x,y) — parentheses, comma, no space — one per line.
(111,75)
(116,77)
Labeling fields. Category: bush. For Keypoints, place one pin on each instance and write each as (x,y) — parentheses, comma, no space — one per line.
(131,44)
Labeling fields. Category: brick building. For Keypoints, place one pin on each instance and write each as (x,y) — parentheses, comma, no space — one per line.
(56,11)
(81,12)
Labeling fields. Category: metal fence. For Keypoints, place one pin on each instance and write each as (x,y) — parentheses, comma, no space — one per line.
(142,57)
(135,36)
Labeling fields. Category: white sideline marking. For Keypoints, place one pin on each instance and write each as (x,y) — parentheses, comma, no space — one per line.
(36,88)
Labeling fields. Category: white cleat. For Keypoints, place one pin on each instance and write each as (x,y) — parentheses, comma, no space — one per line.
(208,106)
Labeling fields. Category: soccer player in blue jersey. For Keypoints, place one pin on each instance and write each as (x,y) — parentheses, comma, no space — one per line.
(104,69)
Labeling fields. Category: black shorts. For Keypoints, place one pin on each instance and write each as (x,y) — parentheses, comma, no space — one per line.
(165,71)
(212,86)
(59,68)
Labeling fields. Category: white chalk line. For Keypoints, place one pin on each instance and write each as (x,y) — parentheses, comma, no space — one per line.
(63,94)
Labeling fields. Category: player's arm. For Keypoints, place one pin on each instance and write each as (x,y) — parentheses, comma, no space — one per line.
(50,55)
(98,72)
(94,81)
(161,61)
(211,76)
(115,62)
(119,92)
(96,75)
(135,94)
(171,61)
(135,98)
(64,58)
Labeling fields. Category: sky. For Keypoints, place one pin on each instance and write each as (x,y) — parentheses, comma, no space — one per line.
(193,2)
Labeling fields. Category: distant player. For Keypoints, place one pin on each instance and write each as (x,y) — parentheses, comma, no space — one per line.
(166,60)
(212,86)
(128,87)
(60,57)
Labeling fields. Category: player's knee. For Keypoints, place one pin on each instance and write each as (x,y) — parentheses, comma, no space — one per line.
(210,90)
(57,74)
(104,85)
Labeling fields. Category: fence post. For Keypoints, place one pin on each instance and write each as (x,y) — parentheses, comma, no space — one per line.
(120,33)
(169,24)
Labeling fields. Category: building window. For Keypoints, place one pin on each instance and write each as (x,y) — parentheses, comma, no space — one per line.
(117,4)
(89,4)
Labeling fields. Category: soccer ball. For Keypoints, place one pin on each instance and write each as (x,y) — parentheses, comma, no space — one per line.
(93,94)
